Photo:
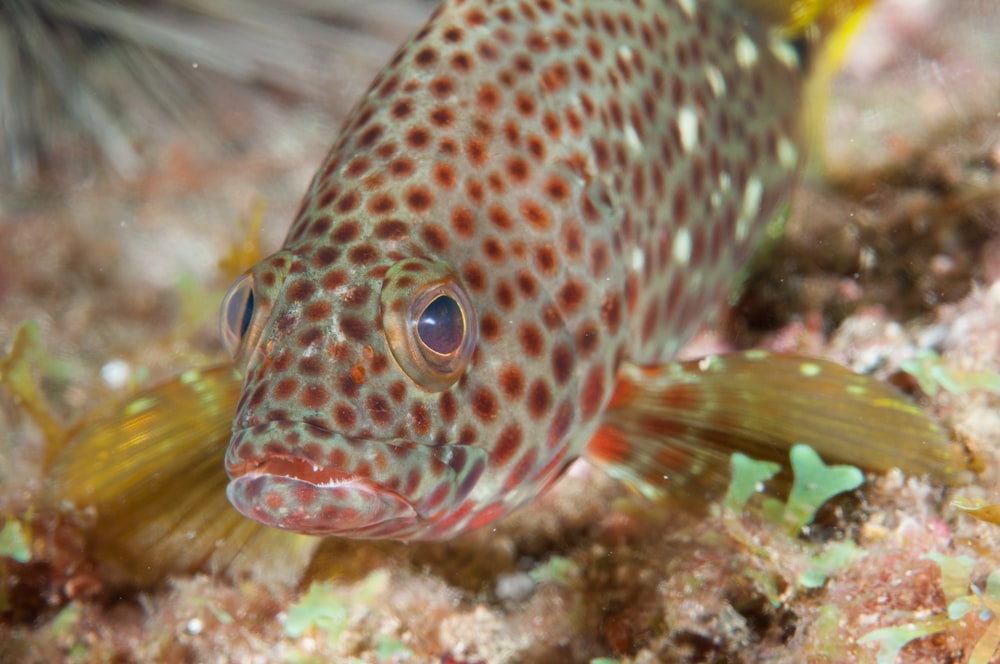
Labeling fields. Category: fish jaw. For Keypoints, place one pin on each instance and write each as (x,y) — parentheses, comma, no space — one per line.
(302,478)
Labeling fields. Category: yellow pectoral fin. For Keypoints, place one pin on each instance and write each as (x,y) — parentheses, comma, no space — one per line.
(674,427)
(151,467)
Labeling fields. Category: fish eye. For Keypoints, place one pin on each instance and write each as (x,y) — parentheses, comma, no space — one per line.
(236,314)
(428,322)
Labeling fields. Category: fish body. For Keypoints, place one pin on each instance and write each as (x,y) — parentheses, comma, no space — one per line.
(574,185)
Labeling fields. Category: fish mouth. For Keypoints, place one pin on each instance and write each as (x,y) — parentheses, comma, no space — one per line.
(307,479)
(283,494)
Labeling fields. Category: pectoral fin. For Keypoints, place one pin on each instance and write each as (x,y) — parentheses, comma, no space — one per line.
(151,467)
(672,428)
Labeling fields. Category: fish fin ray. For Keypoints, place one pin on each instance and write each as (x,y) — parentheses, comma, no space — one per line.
(151,468)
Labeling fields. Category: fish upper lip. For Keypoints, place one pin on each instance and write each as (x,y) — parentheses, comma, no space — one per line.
(293,465)
(286,465)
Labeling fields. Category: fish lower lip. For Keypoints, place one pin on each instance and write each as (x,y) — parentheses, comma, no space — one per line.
(293,494)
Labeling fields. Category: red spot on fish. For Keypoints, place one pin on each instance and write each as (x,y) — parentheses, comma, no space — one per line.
(512,382)
(362,254)
(379,409)
(560,426)
(572,295)
(536,215)
(436,498)
(484,404)
(532,340)
(347,202)
(562,363)
(539,399)
(519,475)
(592,395)
(274,501)
(489,327)
(476,151)
(345,416)
(381,204)
(486,515)
(325,256)
(507,445)
(285,388)
(318,311)
(418,138)
(420,419)
(347,231)
(315,396)
(333,280)
(444,176)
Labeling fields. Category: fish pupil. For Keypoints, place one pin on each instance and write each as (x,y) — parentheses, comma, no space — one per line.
(247,314)
(441,325)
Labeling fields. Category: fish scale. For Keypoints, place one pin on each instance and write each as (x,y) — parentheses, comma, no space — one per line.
(530,211)
(592,173)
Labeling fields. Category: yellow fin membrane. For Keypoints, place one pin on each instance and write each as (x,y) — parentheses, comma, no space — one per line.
(151,467)
(673,427)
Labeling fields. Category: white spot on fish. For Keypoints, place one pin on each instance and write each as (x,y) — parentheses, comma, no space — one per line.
(625,53)
(682,246)
(752,196)
(746,52)
(632,139)
(788,156)
(725,182)
(715,80)
(785,53)
(687,127)
(638,259)
(751,206)
(687,6)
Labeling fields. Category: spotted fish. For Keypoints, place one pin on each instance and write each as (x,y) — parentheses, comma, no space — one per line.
(534,206)
(530,211)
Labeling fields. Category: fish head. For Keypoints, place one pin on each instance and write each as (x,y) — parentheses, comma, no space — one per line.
(387,392)
(332,434)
